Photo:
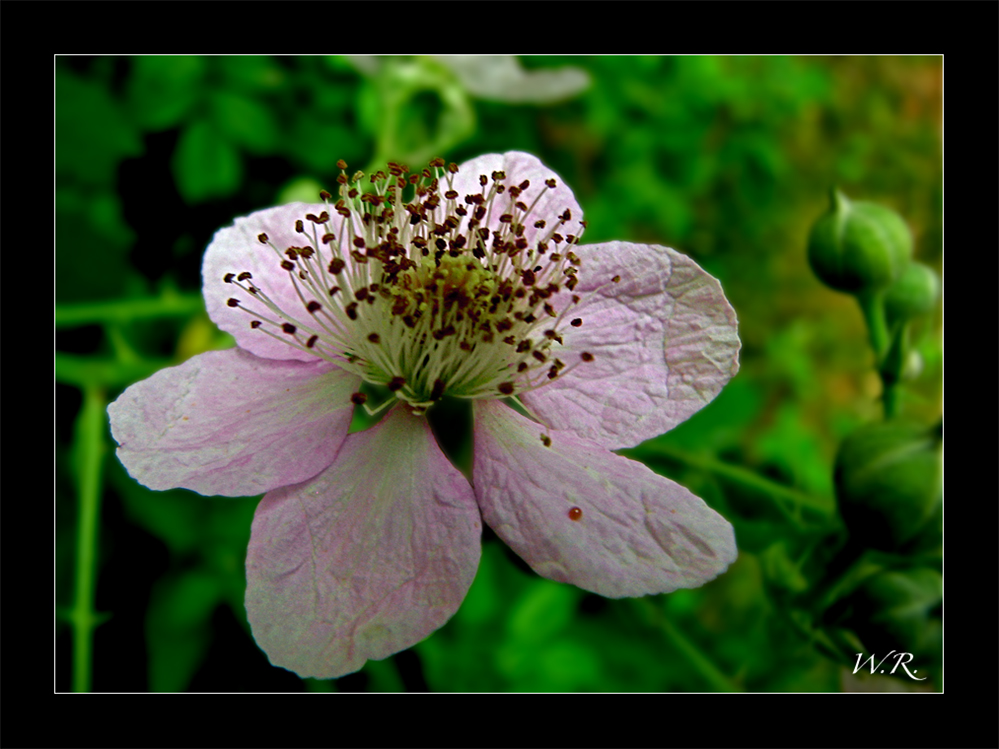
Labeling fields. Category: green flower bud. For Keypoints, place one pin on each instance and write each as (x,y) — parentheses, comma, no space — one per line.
(858,246)
(888,482)
(893,611)
(914,293)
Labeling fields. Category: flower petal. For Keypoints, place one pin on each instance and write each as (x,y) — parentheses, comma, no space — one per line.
(503,78)
(236,249)
(366,559)
(230,423)
(636,533)
(664,340)
(519,166)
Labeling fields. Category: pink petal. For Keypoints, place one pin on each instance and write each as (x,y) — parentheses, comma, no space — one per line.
(664,341)
(637,533)
(229,423)
(366,559)
(518,167)
(237,248)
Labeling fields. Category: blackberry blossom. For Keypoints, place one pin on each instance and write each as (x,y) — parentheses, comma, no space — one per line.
(467,282)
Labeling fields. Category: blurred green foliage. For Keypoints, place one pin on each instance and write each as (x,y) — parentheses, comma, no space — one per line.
(728,159)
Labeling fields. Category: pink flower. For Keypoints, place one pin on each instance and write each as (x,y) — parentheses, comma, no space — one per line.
(366,543)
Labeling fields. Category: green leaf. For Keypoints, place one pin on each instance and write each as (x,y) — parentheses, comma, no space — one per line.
(205,165)
(178,628)
(244,121)
(162,90)
(92,133)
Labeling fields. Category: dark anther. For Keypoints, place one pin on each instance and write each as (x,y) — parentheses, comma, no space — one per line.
(358,398)
(243,276)
(358,241)
(553,373)
(262,238)
(255,324)
(336,265)
(506,218)
(567,215)
(549,309)
(228,277)
(522,366)
(616,279)
(361,294)
(299,226)
(396,383)
(586,356)
(546,440)
(528,276)
(436,161)
(550,182)
(312,341)
(289,328)
(341,164)
(233,302)
(287,265)
(323,195)
(577,322)
(313,306)
(539,356)
(438,390)
(506,388)
(453,168)
(498,175)
(334,290)
(540,224)
(351,310)
(374,337)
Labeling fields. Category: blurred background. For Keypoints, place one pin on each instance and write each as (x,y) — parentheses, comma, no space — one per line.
(729,160)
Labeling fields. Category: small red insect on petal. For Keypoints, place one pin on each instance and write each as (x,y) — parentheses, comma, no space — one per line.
(575,513)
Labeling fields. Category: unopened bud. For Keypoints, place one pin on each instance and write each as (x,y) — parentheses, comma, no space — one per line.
(888,482)
(858,247)
(914,293)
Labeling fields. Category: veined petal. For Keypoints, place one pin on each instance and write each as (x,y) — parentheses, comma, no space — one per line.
(230,423)
(664,341)
(237,249)
(366,559)
(519,166)
(579,514)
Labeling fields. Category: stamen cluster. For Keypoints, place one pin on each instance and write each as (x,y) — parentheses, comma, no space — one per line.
(420,294)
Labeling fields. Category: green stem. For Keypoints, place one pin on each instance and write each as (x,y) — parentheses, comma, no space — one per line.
(90,448)
(686,648)
(872,306)
(170,304)
(734,475)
